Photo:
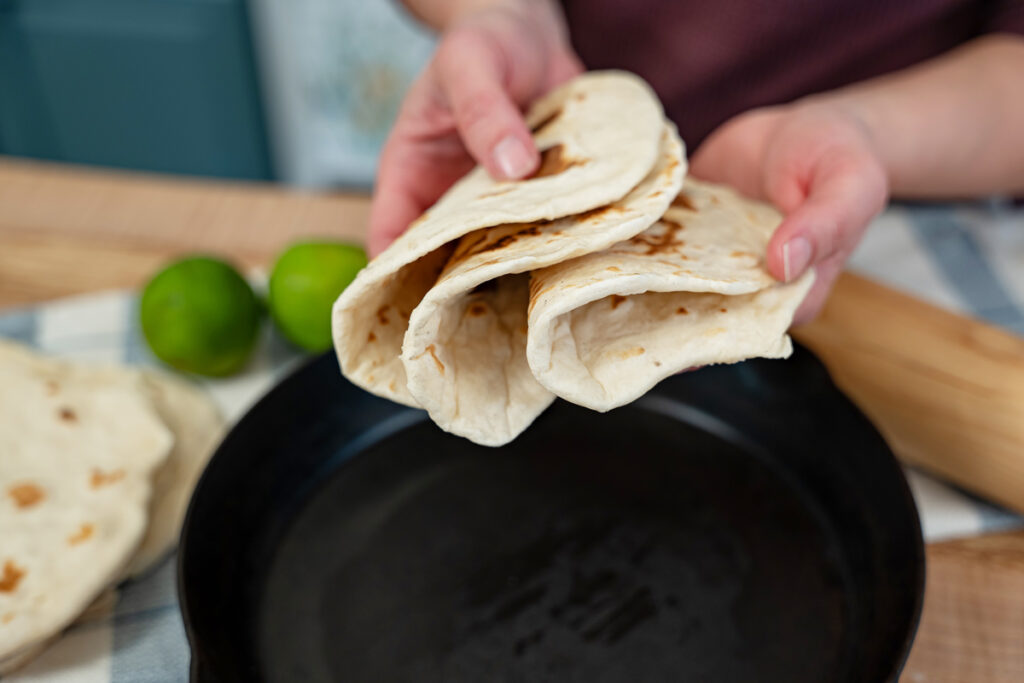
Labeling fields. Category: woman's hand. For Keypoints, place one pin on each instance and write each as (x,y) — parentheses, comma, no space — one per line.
(465,109)
(816,162)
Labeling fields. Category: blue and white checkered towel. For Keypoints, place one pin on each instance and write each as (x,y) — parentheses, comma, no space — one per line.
(968,258)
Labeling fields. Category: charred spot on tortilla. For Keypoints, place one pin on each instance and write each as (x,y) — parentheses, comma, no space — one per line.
(84,533)
(11,577)
(660,241)
(722,310)
(98,478)
(437,361)
(616,299)
(683,202)
(614,269)
(600,211)
(382,317)
(546,121)
(553,162)
(528,229)
(25,495)
(371,337)
(632,353)
(477,309)
(681,311)
(67,414)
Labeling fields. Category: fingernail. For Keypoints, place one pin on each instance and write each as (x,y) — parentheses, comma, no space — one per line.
(796,256)
(512,157)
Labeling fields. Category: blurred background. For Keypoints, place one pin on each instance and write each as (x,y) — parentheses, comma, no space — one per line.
(297,91)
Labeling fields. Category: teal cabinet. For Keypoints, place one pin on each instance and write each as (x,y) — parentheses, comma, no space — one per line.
(160,85)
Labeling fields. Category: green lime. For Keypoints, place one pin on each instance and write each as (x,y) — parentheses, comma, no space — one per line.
(200,315)
(306,280)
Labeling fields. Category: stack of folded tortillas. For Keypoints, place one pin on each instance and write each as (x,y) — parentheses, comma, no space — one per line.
(594,279)
(96,469)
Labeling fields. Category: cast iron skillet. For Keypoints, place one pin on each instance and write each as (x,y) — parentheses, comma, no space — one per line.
(738,523)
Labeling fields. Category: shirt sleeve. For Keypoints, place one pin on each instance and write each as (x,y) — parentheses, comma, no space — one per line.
(1006,16)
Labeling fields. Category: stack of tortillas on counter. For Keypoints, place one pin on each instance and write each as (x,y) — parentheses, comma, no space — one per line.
(97,465)
(592,280)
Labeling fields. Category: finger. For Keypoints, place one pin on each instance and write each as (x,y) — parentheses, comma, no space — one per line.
(390,214)
(413,173)
(564,66)
(471,76)
(825,274)
(843,195)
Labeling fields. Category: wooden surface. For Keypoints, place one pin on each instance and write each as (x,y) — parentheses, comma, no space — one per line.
(947,392)
(943,389)
(101,230)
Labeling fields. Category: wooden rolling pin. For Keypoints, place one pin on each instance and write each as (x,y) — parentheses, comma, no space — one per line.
(946,391)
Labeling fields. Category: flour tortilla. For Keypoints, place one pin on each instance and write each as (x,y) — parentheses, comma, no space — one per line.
(100,608)
(16,660)
(465,349)
(599,135)
(692,290)
(79,451)
(197,426)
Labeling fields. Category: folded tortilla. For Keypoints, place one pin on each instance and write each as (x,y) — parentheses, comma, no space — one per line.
(691,290)
(591,281)
(599,136)
(465,349)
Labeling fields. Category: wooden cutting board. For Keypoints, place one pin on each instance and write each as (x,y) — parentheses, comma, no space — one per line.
(946,391)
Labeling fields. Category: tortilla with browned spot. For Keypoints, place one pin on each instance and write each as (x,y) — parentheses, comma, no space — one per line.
(62,539)
(600,135)
(475,381)
(691,290)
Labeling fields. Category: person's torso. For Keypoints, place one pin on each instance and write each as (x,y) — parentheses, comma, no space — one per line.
(711,60)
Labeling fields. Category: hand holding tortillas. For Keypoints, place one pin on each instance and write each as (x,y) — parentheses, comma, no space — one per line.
(816,163)
(591,280)
(464,108)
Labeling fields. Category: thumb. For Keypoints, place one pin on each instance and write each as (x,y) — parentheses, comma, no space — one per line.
(489,122)
(844,193)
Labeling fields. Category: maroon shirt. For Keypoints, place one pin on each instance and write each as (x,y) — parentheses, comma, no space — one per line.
(711,60)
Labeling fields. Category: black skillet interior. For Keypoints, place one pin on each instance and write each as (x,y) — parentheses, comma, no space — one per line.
(738,523)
